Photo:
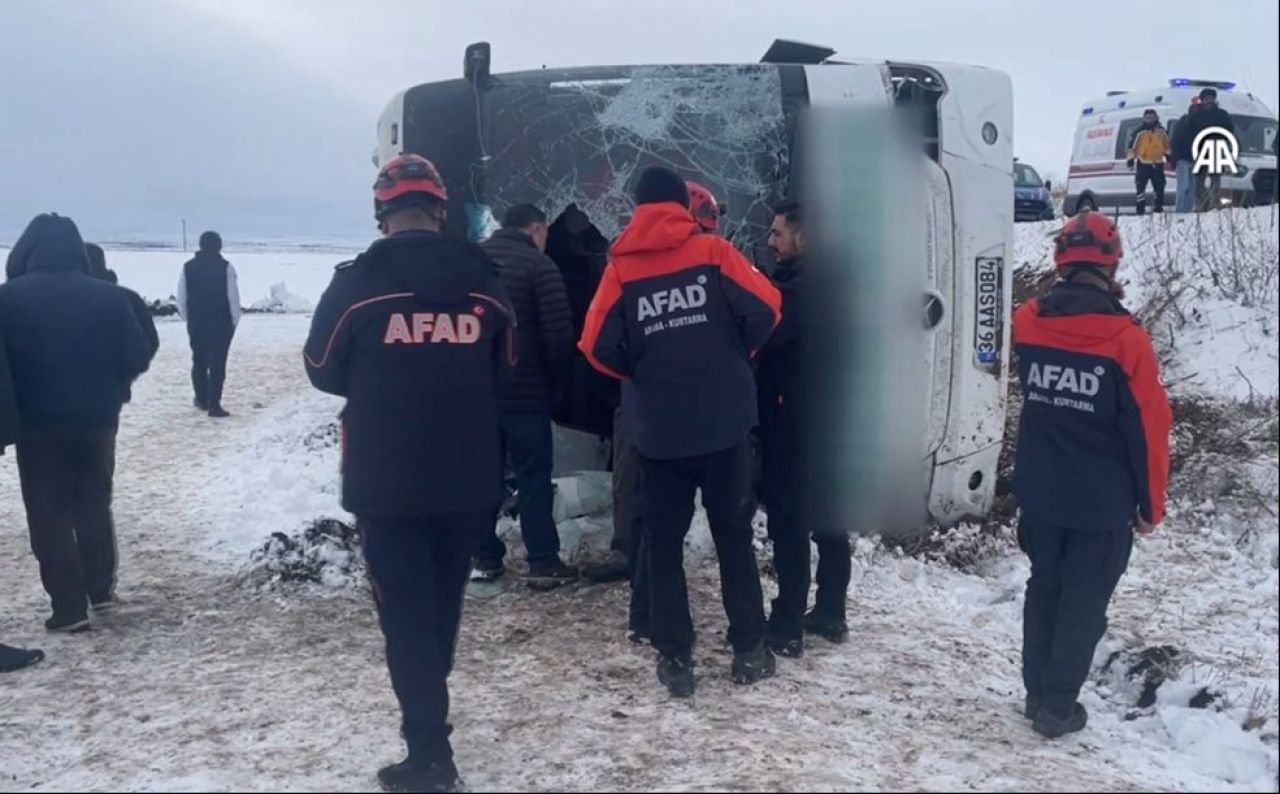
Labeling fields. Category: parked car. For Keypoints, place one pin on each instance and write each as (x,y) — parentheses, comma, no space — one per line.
(1031,199)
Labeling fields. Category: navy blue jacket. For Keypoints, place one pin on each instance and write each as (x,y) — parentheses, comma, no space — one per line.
(677,317)
(73,342)
(415,333)
(1093,446)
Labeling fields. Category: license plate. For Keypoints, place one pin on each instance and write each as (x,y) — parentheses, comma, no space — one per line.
(988,326)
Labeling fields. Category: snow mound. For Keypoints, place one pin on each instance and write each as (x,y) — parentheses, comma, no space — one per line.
(282,301)
(327,553)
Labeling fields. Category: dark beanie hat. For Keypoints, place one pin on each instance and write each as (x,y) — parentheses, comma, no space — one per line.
(211,242)
(658,184)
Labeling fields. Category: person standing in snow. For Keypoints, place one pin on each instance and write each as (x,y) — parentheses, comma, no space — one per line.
(209,300)
(544,343)
(677,317)
(1092,463)
(11,659)
(98,269)
(73,346)
(784,401)
(1183,160)
(1211,114)
(629,549)
(1149,148)
(416,334)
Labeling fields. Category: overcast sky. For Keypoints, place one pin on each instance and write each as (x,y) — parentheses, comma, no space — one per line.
(257,116)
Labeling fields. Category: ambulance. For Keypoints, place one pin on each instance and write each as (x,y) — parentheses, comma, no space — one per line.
(1099,177)
(571,141)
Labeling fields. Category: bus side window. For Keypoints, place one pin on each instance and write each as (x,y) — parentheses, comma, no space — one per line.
(395,134)
(1125,135)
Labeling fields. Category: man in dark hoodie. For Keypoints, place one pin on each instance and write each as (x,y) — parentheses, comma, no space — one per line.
(74,346)
(416,335)
(677,317)
(209,300)
(98,269)
(786,402)
(1092,463)
(544,343)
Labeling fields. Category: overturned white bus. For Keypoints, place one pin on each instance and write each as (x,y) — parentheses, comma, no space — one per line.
(571,140)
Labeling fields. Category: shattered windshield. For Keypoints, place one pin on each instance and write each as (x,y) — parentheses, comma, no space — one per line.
(557,142)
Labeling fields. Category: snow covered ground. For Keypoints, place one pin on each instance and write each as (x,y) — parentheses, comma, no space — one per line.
(212,678)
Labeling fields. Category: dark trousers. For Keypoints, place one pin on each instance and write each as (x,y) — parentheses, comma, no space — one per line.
(669,489)
(790,534)
(66,485)
(419,568)
(1153,174)
(628,521)
(209,349)
(529,450)
(626,484)
(1073,575)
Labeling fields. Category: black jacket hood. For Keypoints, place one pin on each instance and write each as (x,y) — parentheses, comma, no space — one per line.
(51,243)
(404,257)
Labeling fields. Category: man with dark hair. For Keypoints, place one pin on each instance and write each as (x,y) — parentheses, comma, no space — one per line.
(677,317)
(74,346)
(414,334)
(1149,147)
(209,300)
(785,406)
(1211,114)
(544,343)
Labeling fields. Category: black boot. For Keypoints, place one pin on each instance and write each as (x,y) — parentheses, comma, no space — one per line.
(13,659)
(67,624)
(754,665)
(200,404)
(1031,708)
(1053,726)
(788,647)
(217,412)
(834,630)
(549,574)
(413,776)
(614,569)
(676,674)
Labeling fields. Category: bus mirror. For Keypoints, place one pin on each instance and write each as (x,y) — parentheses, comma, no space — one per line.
(1048,185)
(475,64)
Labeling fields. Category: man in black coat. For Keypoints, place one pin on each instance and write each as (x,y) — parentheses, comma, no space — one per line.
(786,405)
(98,269)
(1211,114)
(11,658)
(415,335)
(544,343)
(209,300)
(74,346)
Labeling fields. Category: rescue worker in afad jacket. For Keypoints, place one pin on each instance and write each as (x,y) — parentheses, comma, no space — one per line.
(677,317)
(416,334)
(1092,463)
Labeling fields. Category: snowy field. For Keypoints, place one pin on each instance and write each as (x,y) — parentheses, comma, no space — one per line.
(214,676)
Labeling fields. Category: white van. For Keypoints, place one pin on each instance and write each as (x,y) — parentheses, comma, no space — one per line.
(1099,178)
(571,140)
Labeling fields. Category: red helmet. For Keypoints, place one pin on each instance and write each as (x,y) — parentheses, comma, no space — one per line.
(1090,238)
(405,175)
(703,206)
